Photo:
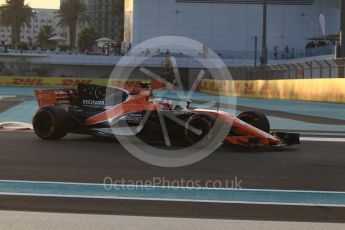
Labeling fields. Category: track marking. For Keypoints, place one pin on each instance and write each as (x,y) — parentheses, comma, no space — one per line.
(15,126)
(313,133)
(164,187)
(322,139)
(176,200)
(172,194)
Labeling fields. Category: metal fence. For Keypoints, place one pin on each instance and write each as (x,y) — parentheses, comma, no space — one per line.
(303,70)
(102,66)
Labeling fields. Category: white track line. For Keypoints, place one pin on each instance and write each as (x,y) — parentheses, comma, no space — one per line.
(172,200)
(322,139)
(13,126)
(313,133)
(4,97)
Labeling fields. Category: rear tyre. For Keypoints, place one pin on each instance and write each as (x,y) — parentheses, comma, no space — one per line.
(202,123)
(49,123)
(256,119)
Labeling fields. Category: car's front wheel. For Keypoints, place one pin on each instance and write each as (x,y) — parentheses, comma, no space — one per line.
(256,119)
(49,123)
(198,130)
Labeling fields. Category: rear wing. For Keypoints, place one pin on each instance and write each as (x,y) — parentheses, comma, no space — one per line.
(85,93)
(54,97)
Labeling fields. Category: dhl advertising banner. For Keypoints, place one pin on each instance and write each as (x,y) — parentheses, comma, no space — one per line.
(321,90)
(48,82)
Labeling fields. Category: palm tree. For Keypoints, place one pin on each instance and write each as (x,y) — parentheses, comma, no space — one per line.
(87,38)
(45,33)
(15,13)
(71,13)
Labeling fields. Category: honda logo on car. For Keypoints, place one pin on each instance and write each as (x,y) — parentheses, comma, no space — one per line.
(92,102)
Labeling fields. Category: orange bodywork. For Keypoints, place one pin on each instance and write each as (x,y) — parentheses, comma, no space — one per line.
(141,102)
(136,103)
(247,132)
(52,97)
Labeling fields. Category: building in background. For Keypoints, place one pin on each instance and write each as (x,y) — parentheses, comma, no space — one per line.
(106,17)
(230,26)
(29,34)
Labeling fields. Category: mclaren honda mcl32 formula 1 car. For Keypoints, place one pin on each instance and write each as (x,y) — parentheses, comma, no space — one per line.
(98,110)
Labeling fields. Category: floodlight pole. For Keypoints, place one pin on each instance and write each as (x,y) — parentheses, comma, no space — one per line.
(342,30)
(255,51)
(264,34)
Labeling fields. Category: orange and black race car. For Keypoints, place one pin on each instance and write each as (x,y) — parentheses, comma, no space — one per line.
(106,111)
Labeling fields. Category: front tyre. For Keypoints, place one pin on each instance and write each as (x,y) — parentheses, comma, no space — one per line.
(49,123)
(203,124)
(256,119)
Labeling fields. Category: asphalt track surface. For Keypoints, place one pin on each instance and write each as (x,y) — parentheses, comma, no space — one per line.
(317,166)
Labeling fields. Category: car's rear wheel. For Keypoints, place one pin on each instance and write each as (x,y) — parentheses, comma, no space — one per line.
(49,123)
(256,119)
(201,123)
